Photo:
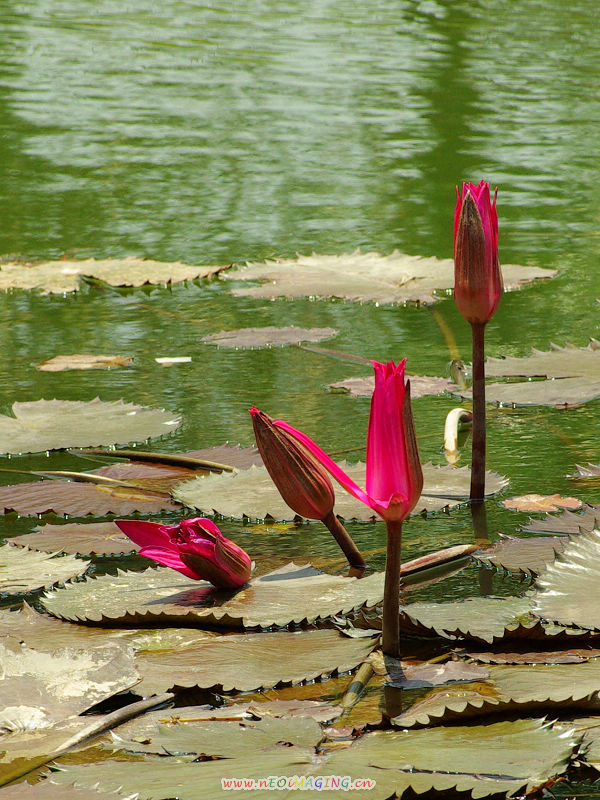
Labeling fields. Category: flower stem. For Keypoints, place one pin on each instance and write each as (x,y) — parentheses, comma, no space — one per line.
(390,640)
(478,452)
(345,541)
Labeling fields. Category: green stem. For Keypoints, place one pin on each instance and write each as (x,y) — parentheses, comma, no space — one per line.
(478,452)
(390,640)
(345,541)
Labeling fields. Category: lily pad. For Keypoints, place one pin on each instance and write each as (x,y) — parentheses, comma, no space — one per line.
(556,393)
(40,425)
(566,523)
(570,656)
(290,595)
(541,502)
(271,336)
(65,276)
(246,662)
(83,361)
(420,386)
(528,556)
(523,688)
(506,758)
(69,498)
(24,571)
(251,493)
(395,278)
(569,588)
(92,538)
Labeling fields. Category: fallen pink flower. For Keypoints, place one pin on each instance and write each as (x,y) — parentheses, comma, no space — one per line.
(195,547)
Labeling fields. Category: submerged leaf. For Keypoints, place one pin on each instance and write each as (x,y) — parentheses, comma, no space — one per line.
(292,594)
(271,336)
(40,425)
(64,276)
(395,278)
(420,385)
(83,361)
(24,571)
(251,493)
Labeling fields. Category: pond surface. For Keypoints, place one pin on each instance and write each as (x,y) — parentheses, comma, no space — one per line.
(208,135)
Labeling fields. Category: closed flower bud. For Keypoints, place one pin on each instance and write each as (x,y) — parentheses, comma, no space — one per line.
(302,482)
(477,277)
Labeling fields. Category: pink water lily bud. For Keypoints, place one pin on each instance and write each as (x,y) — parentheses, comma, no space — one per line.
(302,482)
(394,475)
(195,547)
(477,277)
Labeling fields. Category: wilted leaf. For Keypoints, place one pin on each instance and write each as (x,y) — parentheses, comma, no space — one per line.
(271,336)
(40,425)
(292,594)
(83,361)
(524,689)
(412,676)
(69,498)
(64,276)
(485,619)
(92,538)
(246,662)
(569,588)
(420,385)
(528,556)
(541,502)
(24,571)
(251,493)
(396,278)
(567,522)
(316,709)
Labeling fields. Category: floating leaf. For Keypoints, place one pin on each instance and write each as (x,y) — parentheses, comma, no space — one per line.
(524,689)
(83,361)
(505,758)
(92,538)
(271,336)
(557,393)
(396,278)
(420,385)
(187,738)
(541,502)
(569,588)
(528,556)
(568,522)
(67,498)
(412,676)
(24,571)
(64,276)
(40,425)
(570,656)
(47,791)
(589,473)
(251,493)
(246,662)
(292,594)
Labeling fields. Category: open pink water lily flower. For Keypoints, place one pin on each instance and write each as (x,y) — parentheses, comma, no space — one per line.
(196,547)
(394,476)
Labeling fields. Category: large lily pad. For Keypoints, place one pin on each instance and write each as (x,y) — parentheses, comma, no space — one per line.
(92,538)
(290,595)
(567,522)
(569,588)
(526,556)
(573,377)
(420,386)
(251,493)
(24,571)
(40,425)
(65,276)
(271,336)
(505,758)
(521,688)
(395,278)
(246,662)
(69,498)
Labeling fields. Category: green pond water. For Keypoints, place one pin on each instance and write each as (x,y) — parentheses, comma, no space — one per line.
(213,133)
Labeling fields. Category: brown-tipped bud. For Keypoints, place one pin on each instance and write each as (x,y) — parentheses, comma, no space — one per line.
(301,480)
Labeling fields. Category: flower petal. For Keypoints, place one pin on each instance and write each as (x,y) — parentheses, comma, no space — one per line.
(145,534)
(169,558)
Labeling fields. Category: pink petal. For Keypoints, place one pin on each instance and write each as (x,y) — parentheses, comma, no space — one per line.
(145,534)
(169,558)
